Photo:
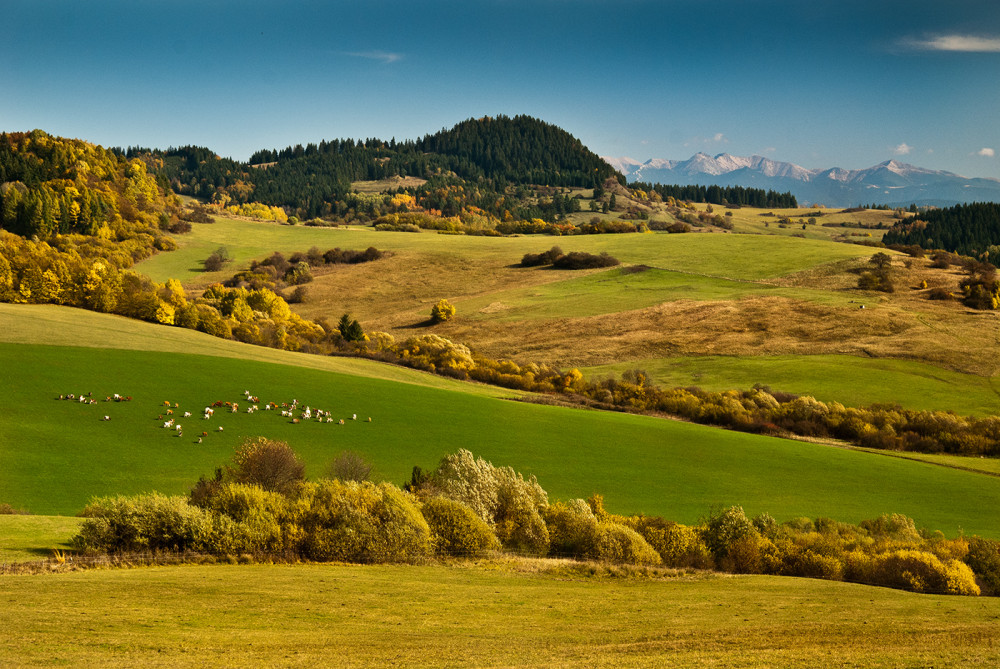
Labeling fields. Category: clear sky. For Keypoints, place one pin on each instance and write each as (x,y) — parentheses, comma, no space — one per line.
(821,83)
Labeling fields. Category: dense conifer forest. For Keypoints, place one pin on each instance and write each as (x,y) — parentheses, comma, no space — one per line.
(967,229)
(723,195)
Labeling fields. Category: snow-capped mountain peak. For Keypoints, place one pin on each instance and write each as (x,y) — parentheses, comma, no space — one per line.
(891,182)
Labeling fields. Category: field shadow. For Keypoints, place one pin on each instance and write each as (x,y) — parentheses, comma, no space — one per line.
(419,325)
(43,553)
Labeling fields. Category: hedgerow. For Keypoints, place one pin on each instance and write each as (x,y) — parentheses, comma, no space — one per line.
(467,507)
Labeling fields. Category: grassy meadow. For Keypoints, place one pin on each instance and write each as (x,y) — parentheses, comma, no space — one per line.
(710,308)
(554,615)
(639,463)
(911,384)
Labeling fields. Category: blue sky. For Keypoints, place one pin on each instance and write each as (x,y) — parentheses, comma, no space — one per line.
(815,82)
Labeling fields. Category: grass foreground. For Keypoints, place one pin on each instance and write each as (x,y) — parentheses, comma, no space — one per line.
(506,614)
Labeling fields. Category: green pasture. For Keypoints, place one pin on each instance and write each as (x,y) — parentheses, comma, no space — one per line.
(433,616)
(29,537)
(623,289)
(740,257)
(768,222)
(846,379)
(59,453)
(65,326)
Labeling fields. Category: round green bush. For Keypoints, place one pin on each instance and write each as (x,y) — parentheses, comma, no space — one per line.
(678,545)
(457,530)
(572,528)
(355,521)
(246,519)
(622,545)
(142,522)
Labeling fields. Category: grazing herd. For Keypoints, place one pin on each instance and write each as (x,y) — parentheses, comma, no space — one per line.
(294,411)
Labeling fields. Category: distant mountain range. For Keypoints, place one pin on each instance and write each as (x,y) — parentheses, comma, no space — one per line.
(892,183)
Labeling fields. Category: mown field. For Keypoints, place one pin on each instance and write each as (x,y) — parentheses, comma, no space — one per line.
(61,452)
(355,616)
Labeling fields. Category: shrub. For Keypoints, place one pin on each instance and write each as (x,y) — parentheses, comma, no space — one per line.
(246,519)
(298,274)
(722,529)
(678,545)
(143,522)
(438,351)
(984,559)
(622,545)
(350,466)
(751,554)
(543,258)
(442,311)
(583,260)
(500,496)
(362,522)
(298,296)
(457,530)
(8,510)
(894,526)
(268,463)
(519,524)
(572,528)
(217,259)
(808,564)
(920,571)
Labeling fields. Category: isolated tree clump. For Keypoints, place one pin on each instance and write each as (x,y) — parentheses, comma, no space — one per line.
(583,260)
(572,260)
(350,329)
(543,258)
(268,463)
(880,278)
(442,311)
(217,260)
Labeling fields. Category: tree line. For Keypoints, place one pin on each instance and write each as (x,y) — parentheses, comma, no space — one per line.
(722,195)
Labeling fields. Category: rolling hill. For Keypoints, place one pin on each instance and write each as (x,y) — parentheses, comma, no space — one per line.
(61,452)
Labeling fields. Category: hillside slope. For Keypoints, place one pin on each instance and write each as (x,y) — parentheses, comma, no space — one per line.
(59,453)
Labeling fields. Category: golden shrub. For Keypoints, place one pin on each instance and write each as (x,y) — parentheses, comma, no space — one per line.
(457,530)
(363,522)
(623,545)
(678,545)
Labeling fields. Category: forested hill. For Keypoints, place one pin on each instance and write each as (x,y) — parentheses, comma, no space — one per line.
(50,185)
(967,229)
(314,180)
(519,150)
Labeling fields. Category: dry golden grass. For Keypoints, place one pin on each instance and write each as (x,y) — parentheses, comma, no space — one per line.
(433,616)
(383,185)
(396,296)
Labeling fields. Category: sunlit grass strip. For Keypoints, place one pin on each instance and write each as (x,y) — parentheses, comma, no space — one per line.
(850,380)
(540,614)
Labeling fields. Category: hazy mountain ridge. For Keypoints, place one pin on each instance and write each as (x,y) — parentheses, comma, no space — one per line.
(892,182)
